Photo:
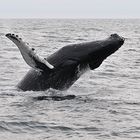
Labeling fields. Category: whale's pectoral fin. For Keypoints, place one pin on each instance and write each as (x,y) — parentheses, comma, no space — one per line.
(29,54)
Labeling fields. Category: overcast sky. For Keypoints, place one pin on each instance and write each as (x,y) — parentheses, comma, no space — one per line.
(69,8)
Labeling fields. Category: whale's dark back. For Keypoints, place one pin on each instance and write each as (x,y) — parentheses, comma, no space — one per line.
(68,68)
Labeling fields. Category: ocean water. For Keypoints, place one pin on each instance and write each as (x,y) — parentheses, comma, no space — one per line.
(107,103)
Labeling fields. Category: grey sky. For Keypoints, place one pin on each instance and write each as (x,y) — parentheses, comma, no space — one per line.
(69,8)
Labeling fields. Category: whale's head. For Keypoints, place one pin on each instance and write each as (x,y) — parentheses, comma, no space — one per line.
(104,49)
(90,54)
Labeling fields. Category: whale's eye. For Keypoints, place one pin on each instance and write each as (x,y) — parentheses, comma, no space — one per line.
(33,49)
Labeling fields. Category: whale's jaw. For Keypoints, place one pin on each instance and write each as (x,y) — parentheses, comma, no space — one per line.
(105,48)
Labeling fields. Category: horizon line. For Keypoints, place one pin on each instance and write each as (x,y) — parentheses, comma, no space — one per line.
(69,17)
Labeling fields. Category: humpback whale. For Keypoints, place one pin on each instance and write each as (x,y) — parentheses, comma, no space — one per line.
(61,69)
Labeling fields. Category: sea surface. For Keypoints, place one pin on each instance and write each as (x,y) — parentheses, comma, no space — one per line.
(107,103)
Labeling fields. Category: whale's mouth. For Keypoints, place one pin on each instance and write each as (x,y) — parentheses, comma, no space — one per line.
(106,48)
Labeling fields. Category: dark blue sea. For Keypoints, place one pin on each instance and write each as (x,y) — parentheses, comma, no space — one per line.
(107,103)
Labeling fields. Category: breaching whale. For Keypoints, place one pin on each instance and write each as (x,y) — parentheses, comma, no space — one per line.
(61,69)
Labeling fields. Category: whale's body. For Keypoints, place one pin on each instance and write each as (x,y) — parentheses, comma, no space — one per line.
(61,69)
